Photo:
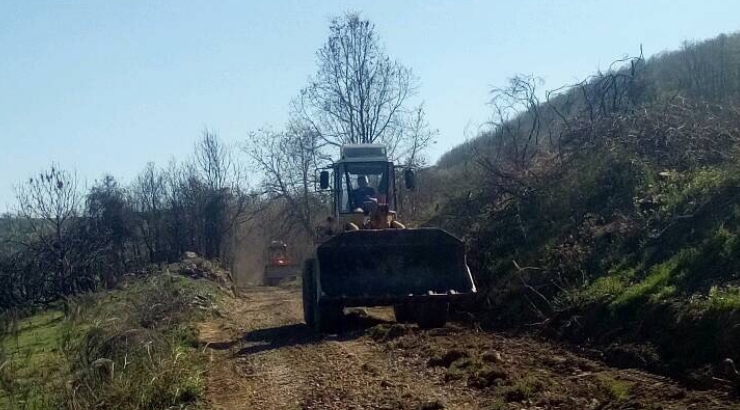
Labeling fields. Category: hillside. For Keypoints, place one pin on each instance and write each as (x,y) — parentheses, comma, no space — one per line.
(608,214)
(700,71)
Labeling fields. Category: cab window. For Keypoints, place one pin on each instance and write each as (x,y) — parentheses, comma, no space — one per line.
(363,182)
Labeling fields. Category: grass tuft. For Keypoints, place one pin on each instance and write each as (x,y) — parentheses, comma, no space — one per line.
(612,389)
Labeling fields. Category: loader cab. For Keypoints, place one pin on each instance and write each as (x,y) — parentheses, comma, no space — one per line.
(363,178)
(354,196)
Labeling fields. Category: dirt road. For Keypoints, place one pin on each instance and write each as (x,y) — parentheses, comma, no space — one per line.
(263,357)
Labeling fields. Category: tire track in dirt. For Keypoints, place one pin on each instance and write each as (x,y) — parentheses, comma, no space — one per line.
(263,357)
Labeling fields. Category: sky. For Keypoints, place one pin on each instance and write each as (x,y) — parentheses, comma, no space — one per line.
(105,87)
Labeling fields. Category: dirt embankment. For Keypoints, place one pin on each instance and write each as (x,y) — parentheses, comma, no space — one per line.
(263,357)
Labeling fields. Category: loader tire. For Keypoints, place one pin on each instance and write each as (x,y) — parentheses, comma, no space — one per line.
(309,293)
(404,313)
(329,318)
(430,315)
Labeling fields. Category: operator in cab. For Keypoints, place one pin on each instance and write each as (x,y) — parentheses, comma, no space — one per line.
(363,192)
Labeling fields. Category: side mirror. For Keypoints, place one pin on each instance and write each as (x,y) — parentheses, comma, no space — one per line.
(324,180)
(409,178)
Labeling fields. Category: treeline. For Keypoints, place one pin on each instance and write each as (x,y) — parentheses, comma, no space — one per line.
(62,241)
(708,70)
(700,71)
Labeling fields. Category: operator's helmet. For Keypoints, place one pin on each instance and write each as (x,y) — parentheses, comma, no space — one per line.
(362,180)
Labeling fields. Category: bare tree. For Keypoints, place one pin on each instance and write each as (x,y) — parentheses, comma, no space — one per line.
(216,163)
(418,136)
(358,93)
(288,161)
(49,203)
(516,118)
(150,192)
(108,226)
(224,200)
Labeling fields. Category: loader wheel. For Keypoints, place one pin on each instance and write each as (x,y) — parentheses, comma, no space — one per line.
(309,293)
(431,315)
(404,313)
(329,318)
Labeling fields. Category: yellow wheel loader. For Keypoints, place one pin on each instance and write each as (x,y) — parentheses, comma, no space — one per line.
(367,257)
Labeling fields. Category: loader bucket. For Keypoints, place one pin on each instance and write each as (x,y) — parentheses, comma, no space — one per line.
(393,264)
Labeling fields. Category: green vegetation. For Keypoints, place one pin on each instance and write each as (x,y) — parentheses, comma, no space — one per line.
(131,348)
(31,359)
(522,388)
(612,389)
(612,208)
